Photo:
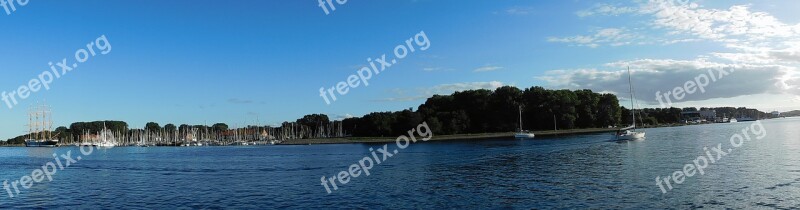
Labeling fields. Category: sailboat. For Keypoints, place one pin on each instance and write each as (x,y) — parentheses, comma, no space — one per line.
(105,141)
(39,127)
(523,134)
(629,133)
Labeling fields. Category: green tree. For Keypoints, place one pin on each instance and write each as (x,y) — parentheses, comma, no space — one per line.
(183,128)
(170,127)
(152,127)
(61,132)
(609,111)
(505,102)
(405,120)
(475,103)
(564,108)
(219,127)
(314,120)
(587,108)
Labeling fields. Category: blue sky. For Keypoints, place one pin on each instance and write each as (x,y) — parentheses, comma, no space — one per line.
(199,62)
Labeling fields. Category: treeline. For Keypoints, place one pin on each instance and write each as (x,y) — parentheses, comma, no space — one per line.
(791,114)
(650,116)
(310,126)
(471,111)
(659,116)
(75,129)
(485,111)
(735,112)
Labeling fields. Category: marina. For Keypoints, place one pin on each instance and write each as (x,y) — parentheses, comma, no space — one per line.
(201,136)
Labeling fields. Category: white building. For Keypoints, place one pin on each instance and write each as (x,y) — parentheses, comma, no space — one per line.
(776,114)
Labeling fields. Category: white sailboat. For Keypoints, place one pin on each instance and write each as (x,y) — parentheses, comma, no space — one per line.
(629,133)
(523,134)
(105,141)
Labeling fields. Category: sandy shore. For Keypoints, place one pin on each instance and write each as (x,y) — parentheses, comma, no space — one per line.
(444,137)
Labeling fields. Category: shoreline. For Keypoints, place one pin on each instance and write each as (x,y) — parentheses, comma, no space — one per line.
(480,136)
(456,137)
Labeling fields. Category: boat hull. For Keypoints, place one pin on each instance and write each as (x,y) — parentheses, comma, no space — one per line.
(41,143)
(106,145)
(633,136)
(524,136)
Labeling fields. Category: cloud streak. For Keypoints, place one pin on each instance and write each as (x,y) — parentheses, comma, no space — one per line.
(606,36)
(487,68)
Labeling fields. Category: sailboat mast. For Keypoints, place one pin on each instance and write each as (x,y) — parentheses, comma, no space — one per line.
(49,123)
(633,108)
(30,122)
(38,121)
(520,118)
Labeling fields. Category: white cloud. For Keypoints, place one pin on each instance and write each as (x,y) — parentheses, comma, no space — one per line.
(669,42)
(487,68)
(792,84)
(763,50)
(735,26)
(437,69)
(650,76)
(764,102)
(431,68)
(343,116)
(447,89)
(785,55)
(720,25)
(609,36)
(606,9)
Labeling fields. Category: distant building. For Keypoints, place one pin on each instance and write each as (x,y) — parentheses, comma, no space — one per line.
(776,114)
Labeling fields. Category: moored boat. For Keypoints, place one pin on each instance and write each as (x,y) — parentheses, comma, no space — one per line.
(630,133)
(41,143)
(523,134)
(39,125)
(107,139)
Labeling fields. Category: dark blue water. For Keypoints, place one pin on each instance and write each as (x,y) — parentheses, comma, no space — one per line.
(586,171)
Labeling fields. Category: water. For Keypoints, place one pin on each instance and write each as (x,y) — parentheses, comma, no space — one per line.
(586,171)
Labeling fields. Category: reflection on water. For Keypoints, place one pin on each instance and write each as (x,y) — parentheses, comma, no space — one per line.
(585,171)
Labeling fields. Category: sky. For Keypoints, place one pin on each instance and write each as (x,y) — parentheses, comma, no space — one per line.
(264,62)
